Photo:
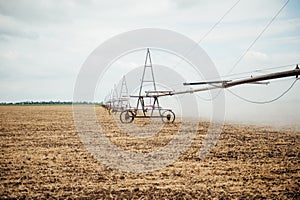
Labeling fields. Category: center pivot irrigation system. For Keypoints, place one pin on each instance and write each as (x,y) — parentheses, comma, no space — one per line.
(154,110)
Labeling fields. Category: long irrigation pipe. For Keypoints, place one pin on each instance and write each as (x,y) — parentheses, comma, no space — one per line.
(227,84)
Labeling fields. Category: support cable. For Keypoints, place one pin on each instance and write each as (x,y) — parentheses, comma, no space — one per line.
(209,99)
(264,102)
(255,40)
(209,31)
(218,22)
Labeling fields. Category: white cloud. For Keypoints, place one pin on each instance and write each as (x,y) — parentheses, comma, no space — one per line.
(256,55)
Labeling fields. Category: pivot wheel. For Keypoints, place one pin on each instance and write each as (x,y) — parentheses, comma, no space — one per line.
(168,116)
(126,116)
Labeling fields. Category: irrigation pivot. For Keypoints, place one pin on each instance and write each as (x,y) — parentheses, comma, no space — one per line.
(147,100)
(118,102)
(148,105)
(122,102)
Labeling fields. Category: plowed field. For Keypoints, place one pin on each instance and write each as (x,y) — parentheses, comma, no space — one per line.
(43,157)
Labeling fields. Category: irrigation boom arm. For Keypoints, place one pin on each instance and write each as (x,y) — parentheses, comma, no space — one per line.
(295,72)
(229,83)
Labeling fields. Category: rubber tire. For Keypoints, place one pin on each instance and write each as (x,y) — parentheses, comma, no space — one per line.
(168,116)
(126,117)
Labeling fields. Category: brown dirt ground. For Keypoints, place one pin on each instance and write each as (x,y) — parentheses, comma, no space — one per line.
(42,157)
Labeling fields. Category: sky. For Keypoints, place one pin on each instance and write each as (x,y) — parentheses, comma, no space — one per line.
(43,44)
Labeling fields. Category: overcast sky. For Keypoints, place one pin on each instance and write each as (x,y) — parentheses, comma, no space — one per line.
(44,43)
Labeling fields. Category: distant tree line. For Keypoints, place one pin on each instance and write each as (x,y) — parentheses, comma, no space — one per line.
(49,103)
